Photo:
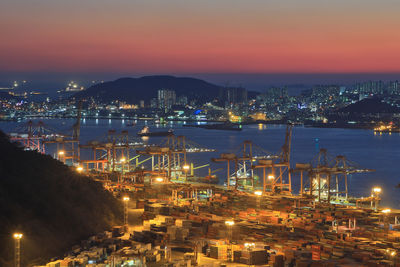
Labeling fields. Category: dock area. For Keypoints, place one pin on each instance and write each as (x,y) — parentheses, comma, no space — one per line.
(173,217)
(206,225)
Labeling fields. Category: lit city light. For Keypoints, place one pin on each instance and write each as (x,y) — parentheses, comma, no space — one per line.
(230,223)
(258,193)
(17,236)
(386,210)
(376,190)
(249,245)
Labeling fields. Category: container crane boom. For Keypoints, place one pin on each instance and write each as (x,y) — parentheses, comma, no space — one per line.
(77,124)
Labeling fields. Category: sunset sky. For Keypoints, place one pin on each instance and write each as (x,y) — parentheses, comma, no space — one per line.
(204,36)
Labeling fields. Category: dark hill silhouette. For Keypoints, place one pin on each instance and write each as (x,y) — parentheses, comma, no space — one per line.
(7,96)
(52,205)
(132,90)
(369,106)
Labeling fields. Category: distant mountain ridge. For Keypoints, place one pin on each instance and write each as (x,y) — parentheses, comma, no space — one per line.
(370,106)
(7,96)
(132,90)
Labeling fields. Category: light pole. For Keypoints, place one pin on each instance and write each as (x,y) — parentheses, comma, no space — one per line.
(271,178)
(17,253)
(230,224)
(385,218)
(126,200)
(186,169)
(391,255)
(249,246)
(375,194)
(122,160)
(79,169)
(258,194)
(159,180)
(61,154)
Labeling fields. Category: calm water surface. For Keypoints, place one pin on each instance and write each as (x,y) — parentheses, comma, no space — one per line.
(379,152)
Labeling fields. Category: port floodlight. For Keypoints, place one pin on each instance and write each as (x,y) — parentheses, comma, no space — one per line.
(159,179)
(249,245)
(79,168)
(229,223)
(125,199)
(377,190)
(186,167)
(271,177)
(17,236)
(258,193)
(386,211)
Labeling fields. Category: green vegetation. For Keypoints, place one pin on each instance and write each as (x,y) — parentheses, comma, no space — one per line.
(52,205)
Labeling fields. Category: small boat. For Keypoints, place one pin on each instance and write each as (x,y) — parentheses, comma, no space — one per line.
(146,132)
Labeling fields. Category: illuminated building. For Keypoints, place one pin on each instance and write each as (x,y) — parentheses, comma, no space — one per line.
(166,99)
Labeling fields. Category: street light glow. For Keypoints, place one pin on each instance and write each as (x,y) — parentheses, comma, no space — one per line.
(258,193)
(229,223)
(79,168)
(271,177)
(61,152)
(125,199)
(17,236)
(186,167)
(122,160)
(249,245)
(376,190)
(159,179)
(386,210)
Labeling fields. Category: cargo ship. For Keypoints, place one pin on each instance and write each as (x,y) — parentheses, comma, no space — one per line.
(146,132)
(227,126)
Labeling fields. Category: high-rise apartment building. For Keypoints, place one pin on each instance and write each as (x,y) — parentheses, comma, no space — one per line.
(233,95)
(166,99)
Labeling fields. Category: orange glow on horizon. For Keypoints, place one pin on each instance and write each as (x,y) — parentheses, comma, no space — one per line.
(248,36)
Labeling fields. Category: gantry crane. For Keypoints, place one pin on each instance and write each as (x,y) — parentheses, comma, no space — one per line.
(68,145)
(170,156)
(243,159)
(112,152)
(31,136)
(279,167)
(322,170)
(228,157)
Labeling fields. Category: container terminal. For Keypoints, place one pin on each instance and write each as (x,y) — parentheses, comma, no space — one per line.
(174,218)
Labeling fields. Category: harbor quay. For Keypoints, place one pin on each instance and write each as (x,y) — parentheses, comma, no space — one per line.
(250,217)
